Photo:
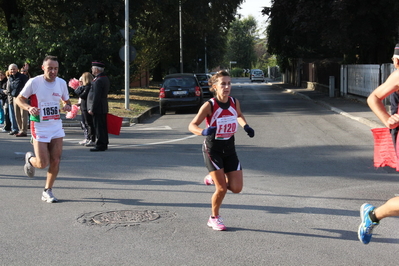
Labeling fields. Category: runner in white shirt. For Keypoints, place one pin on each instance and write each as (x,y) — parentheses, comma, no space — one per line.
(45,93)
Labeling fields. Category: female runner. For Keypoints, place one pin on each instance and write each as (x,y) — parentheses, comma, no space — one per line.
(222,114)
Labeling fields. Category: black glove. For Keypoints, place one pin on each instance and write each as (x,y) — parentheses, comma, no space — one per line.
(208,131)
(249,130)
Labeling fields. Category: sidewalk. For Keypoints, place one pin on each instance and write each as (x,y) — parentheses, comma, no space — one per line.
(75,122)
(353,107)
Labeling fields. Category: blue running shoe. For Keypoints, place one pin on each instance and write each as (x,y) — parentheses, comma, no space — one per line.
(366,227)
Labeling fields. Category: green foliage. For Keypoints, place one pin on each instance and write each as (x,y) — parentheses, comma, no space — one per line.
(81,31)
(358,32)
(237,72)
(241,41)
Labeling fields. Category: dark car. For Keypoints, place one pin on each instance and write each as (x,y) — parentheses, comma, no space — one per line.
(179,91)
(203,81)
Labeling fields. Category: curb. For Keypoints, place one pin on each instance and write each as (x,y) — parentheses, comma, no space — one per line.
(362,120)
(127,122)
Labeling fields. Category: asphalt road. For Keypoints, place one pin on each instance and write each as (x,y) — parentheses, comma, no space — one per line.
(143,202)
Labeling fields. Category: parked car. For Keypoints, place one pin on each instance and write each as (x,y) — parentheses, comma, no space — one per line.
(257,75)
(203,81)
(179,91)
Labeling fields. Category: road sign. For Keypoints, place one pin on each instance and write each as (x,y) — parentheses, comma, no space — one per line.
(233,62)
(132,53)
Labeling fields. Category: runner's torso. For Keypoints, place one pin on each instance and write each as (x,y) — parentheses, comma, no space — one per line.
(46,96)
(224,117)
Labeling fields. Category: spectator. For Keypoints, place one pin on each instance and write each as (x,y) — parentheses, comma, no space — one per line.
(87,120)
(19,119)
(17,82)
(4,102)
(25,72)
(97,105)
(3,85)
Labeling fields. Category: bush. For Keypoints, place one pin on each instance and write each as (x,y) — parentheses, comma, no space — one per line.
(237,72)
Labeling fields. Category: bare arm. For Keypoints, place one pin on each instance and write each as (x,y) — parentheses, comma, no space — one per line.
(375,100)
(23,104)
(203,112)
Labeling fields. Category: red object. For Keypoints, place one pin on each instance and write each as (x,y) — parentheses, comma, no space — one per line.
(73,83)
(162,93)
(74,111)
(197,91)
(384,151)
(114,124)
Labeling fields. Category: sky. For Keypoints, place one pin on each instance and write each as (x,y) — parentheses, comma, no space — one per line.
(254,8)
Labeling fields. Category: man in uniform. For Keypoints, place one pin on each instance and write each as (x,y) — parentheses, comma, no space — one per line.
(97,105)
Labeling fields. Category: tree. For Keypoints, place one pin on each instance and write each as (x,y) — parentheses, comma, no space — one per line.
(241,42)
(357,31)
(81,31)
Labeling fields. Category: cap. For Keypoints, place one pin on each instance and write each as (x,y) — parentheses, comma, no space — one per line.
(100,64)
(396,51)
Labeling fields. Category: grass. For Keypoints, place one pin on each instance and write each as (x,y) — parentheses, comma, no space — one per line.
(140,99)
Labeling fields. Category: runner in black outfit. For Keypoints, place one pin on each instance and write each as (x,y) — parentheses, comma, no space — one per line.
(222,114)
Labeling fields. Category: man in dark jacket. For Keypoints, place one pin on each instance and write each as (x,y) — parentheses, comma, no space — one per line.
(97,105)
(19,117)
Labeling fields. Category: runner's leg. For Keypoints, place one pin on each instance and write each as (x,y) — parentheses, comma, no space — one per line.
(55,151)
(219,179)
(235,181)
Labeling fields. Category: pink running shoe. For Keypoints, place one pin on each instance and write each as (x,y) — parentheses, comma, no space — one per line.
(216,223)
(208,180)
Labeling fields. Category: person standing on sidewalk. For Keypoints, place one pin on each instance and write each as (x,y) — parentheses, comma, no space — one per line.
(369,214)
(16,82)
(97,105)
(87,120)
(4,117)
(3,84)
(45,92)
(222,114)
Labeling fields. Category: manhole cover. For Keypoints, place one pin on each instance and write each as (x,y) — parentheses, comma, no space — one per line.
(123,218)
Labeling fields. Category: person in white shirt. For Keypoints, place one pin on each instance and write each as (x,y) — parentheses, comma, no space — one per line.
(45,93)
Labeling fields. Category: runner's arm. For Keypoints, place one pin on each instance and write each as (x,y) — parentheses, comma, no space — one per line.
(23,103)
(203,112)
(379,94)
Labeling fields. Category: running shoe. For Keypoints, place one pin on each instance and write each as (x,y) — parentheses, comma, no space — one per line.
(366,227)
(28,167)
(48,196)
(208,180)
(216,223)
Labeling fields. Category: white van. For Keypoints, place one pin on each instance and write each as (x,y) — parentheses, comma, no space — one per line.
(257,75)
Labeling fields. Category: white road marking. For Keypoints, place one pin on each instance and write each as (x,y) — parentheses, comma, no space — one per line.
(138,145)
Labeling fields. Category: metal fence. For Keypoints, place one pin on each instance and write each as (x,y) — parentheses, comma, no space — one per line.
(361,80)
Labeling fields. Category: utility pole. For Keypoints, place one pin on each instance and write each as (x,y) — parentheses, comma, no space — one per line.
(127,56)
(181,39)
(206,60)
